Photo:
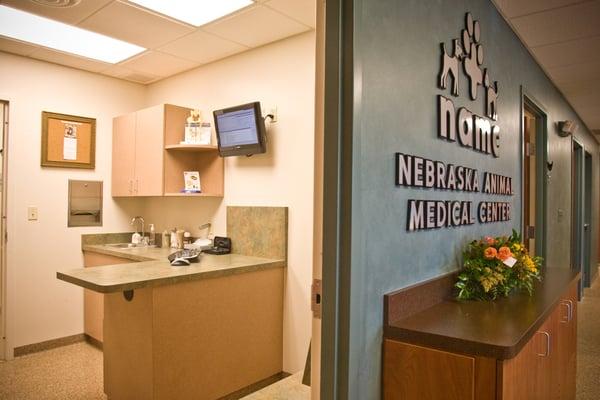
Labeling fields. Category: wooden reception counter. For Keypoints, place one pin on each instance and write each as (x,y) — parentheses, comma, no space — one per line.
(520,347)
(201,332)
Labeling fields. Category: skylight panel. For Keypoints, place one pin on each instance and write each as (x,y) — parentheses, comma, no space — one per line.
(45,32)
(194,12)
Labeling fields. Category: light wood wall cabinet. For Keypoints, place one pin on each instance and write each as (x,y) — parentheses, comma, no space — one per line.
(544,369)
(148,159)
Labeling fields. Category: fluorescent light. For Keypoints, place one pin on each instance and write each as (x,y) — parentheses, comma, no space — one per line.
(56,35)
(194,12)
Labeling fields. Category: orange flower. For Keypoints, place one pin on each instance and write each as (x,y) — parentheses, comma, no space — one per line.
(490,253)
(490,240)
(503,253)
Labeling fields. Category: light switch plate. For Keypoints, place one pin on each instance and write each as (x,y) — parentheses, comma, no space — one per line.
(32,213)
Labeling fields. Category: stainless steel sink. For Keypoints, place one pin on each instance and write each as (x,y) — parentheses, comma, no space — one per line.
(123,245)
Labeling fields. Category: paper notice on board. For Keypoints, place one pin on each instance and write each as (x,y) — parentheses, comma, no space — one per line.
(70,142)
(70,149)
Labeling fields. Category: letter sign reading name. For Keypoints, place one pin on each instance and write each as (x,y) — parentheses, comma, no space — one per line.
(477,132)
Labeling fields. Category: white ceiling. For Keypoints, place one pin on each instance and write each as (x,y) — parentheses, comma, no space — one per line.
(173,46)
(564,37)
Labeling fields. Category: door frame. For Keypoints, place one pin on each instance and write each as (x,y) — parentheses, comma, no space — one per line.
(529,102)
(337,198)
(577,161)
(3,234)
(587,196)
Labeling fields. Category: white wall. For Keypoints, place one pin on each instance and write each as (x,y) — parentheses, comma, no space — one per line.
(39,306)
(281,74)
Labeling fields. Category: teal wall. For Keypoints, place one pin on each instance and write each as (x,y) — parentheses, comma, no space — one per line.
(397,60)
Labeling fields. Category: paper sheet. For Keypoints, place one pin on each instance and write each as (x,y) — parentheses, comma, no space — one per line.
(70,148)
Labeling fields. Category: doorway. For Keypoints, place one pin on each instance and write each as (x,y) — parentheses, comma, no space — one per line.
(581,181)
(3,163)
(535,175)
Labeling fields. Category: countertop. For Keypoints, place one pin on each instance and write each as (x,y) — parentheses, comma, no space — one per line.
(153,269)
(497,329)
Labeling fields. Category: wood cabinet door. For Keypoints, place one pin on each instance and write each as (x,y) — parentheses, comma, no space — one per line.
(123,155)
(418,373)
(528,375)
(149,148)
(564,375)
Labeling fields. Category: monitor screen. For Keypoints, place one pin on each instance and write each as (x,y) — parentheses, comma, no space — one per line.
(240,130)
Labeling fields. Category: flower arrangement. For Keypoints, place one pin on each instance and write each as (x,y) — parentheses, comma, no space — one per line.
(493,267)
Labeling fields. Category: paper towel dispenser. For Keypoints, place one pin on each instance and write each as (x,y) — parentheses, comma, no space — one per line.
(85,203)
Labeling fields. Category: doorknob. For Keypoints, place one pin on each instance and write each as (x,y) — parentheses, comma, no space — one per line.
(586,226)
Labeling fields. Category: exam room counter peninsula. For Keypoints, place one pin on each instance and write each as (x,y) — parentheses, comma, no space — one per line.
(202,331)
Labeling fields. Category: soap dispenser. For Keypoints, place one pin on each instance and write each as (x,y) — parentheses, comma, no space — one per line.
(136,238)
(174,238)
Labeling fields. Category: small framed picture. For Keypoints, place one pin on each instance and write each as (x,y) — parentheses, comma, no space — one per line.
(192,181)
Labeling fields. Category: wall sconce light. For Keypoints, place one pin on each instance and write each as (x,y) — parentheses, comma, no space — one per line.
(566,128)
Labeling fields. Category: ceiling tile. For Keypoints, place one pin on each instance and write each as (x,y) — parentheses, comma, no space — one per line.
(202,47)
(118,71)
(69,15)
(158,64)
(256,26)
(590,115)
(575,73)
(69,60)
(567,53)
(515,8)
(577,88)
(559,25)
(304,11)
(136,25)
(16,46)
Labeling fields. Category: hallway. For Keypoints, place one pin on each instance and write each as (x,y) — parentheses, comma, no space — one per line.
(588,344)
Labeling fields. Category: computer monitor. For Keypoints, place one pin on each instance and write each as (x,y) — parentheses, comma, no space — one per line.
(240,130)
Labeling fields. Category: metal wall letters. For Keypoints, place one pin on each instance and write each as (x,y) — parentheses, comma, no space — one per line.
(469,130)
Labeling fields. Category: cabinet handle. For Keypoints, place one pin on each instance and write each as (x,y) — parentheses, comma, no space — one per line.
(547,344)
(564,319)
(569,316)
(130,186)
(136,186)
(570,302)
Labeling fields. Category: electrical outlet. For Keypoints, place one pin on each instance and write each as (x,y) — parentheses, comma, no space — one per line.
(273,112)
(32,213)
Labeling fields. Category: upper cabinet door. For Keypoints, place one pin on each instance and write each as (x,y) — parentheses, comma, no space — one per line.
(149,148)
(123,155)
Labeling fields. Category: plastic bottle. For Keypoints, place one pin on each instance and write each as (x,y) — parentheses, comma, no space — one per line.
(151,240)
(174,238)
(166,239)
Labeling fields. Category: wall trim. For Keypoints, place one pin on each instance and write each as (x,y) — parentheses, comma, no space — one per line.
(48,345)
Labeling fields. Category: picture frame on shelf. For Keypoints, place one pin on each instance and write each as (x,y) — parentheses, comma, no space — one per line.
(191,181)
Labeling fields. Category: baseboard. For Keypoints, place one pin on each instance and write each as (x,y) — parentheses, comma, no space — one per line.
(255,387)
(47,345)
(93,341)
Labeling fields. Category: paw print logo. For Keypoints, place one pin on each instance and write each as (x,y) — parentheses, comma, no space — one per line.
(473,54)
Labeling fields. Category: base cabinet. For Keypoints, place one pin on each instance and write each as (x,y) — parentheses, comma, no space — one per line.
(544,369)
(93,302)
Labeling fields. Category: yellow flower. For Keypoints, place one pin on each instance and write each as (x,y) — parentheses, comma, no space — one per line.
(517,247)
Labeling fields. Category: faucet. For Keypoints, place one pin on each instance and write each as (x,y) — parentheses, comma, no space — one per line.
(142,221)
(205,226)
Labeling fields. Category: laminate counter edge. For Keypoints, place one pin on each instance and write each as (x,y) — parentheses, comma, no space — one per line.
(153,269)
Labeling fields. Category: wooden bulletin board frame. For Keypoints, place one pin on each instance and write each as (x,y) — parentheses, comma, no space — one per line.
(68,141)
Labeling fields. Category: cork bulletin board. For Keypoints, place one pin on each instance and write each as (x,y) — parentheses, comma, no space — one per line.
(68,141)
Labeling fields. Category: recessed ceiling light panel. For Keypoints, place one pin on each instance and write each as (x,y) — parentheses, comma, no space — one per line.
(194,12)
(45,32)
